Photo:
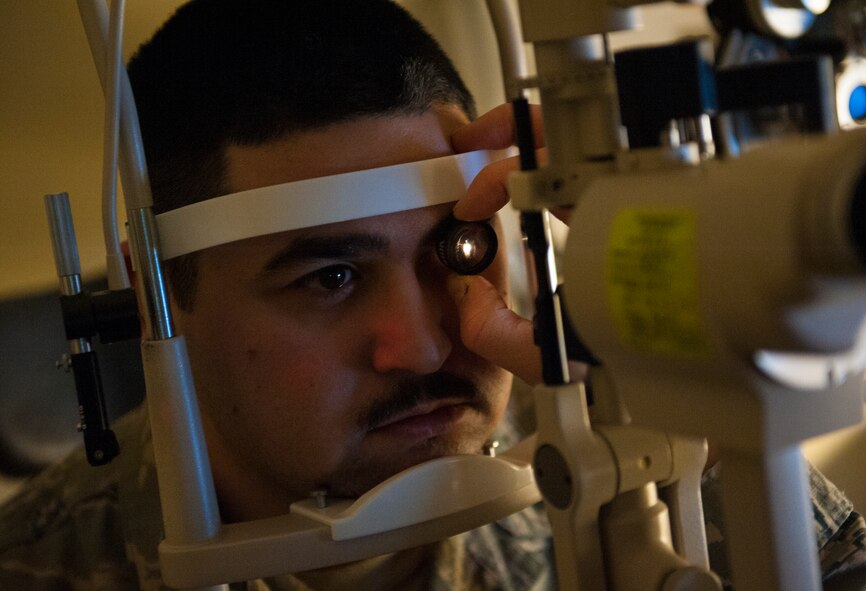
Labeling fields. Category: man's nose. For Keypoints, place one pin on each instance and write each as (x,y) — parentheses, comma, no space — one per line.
(407,328)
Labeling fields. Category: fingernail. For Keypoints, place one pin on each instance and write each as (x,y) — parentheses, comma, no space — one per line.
(457,212)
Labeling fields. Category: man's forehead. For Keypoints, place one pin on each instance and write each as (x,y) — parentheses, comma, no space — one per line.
(348,146)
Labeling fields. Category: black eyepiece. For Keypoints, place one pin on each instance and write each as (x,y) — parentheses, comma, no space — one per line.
(467,248)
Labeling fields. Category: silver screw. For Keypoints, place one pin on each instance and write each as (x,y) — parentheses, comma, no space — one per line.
(489,448)
(321,497)
(64,363)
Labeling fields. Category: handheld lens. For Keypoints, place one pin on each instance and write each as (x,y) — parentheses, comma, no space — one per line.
(467,248)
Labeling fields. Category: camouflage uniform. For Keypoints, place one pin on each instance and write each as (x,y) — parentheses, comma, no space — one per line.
(78,528)
(840,531)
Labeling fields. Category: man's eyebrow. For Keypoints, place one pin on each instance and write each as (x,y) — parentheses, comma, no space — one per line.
(325,247)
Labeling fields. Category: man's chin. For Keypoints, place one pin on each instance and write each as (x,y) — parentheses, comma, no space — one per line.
(364,476)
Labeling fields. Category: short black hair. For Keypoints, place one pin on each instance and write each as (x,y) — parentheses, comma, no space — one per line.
(248,72)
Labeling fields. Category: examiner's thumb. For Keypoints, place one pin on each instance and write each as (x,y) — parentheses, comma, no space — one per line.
(489,328)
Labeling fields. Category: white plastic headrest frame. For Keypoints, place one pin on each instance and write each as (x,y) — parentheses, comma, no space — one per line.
(324,200)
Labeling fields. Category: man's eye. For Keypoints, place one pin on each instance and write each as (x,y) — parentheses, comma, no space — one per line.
(330,278)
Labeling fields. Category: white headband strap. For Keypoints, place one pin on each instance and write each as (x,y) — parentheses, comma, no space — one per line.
(313,202)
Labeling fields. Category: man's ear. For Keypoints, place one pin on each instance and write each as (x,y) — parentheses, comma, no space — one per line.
(127,259)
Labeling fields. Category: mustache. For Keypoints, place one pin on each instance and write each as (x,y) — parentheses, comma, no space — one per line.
(411,391)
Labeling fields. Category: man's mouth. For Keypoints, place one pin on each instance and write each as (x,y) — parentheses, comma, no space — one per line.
(424,421)
(422,407)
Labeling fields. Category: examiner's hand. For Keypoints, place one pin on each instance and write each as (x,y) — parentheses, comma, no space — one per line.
(488,327)
(494,130)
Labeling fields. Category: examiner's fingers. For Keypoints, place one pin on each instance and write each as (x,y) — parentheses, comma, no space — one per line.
(490,329)
(488,192)
(495,130)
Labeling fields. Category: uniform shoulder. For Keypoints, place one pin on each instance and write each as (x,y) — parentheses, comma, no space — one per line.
(65,524)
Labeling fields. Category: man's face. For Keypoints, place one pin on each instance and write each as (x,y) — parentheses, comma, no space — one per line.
(329,357)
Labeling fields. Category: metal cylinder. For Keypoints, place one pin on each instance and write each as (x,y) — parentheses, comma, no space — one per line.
(153,296)
(62,235)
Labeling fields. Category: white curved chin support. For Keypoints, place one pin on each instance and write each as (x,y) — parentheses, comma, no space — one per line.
(450,495)
(318,201)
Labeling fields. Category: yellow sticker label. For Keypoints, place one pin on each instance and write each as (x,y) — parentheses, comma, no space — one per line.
(652,283)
